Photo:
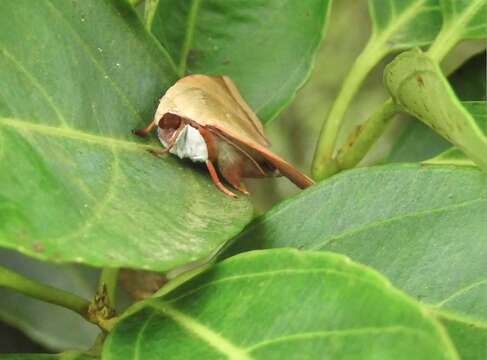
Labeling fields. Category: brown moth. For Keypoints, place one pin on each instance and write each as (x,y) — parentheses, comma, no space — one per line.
(204,118)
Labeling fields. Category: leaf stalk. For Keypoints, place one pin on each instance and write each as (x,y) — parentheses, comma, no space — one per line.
(324,164)
(24,285)
(360,141)
(109,280)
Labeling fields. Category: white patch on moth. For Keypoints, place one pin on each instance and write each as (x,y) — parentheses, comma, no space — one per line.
(189,144)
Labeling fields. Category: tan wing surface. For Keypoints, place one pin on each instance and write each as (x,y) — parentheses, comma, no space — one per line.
(212,101)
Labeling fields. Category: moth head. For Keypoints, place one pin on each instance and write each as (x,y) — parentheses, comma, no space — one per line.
(167,126)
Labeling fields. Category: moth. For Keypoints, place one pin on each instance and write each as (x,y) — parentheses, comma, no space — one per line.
(204,118)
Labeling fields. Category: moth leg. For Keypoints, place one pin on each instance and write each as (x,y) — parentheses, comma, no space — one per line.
(232,173)
(144,131)
(158,152)
(216,179)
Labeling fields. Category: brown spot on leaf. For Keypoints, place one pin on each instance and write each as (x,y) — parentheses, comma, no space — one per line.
(420,81)
(37,246)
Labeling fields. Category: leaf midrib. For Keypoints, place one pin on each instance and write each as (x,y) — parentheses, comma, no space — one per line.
(188,39)
(70,133)
(220,343)
(212,338)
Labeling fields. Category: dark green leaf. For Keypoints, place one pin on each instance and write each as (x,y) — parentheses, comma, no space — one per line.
(281,304)
(421,226)
(468,336)
(76,185)
(265,46)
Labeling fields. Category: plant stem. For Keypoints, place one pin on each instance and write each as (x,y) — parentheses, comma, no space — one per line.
(323,162)
(17,282)
(373,128)
(109,279)
(361,140)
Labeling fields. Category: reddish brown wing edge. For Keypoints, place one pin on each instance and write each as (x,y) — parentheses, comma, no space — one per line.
(296,176)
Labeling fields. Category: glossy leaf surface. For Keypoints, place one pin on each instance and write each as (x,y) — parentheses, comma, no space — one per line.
(281,304)
(76,185)
(421,226)
(265,46)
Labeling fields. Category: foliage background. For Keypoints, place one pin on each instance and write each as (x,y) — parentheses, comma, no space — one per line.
(294,133)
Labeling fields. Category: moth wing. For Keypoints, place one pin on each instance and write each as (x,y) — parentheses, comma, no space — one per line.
(212,101)
(285,168)
(232,88)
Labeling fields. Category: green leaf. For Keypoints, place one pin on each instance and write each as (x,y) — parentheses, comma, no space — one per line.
(278,304)
(462,19)
(417,84)
(421,226)
(469,337)
(471,12)
(52,326)
(403,24)
(75,183)
(72,355)
(266,46)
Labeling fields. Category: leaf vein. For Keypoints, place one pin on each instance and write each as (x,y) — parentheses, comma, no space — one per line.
(380,222)
(270,274)
(98,66)
(461,291)
(330,333)
(188,39)
(35,83)
(71,133)
(212,338)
